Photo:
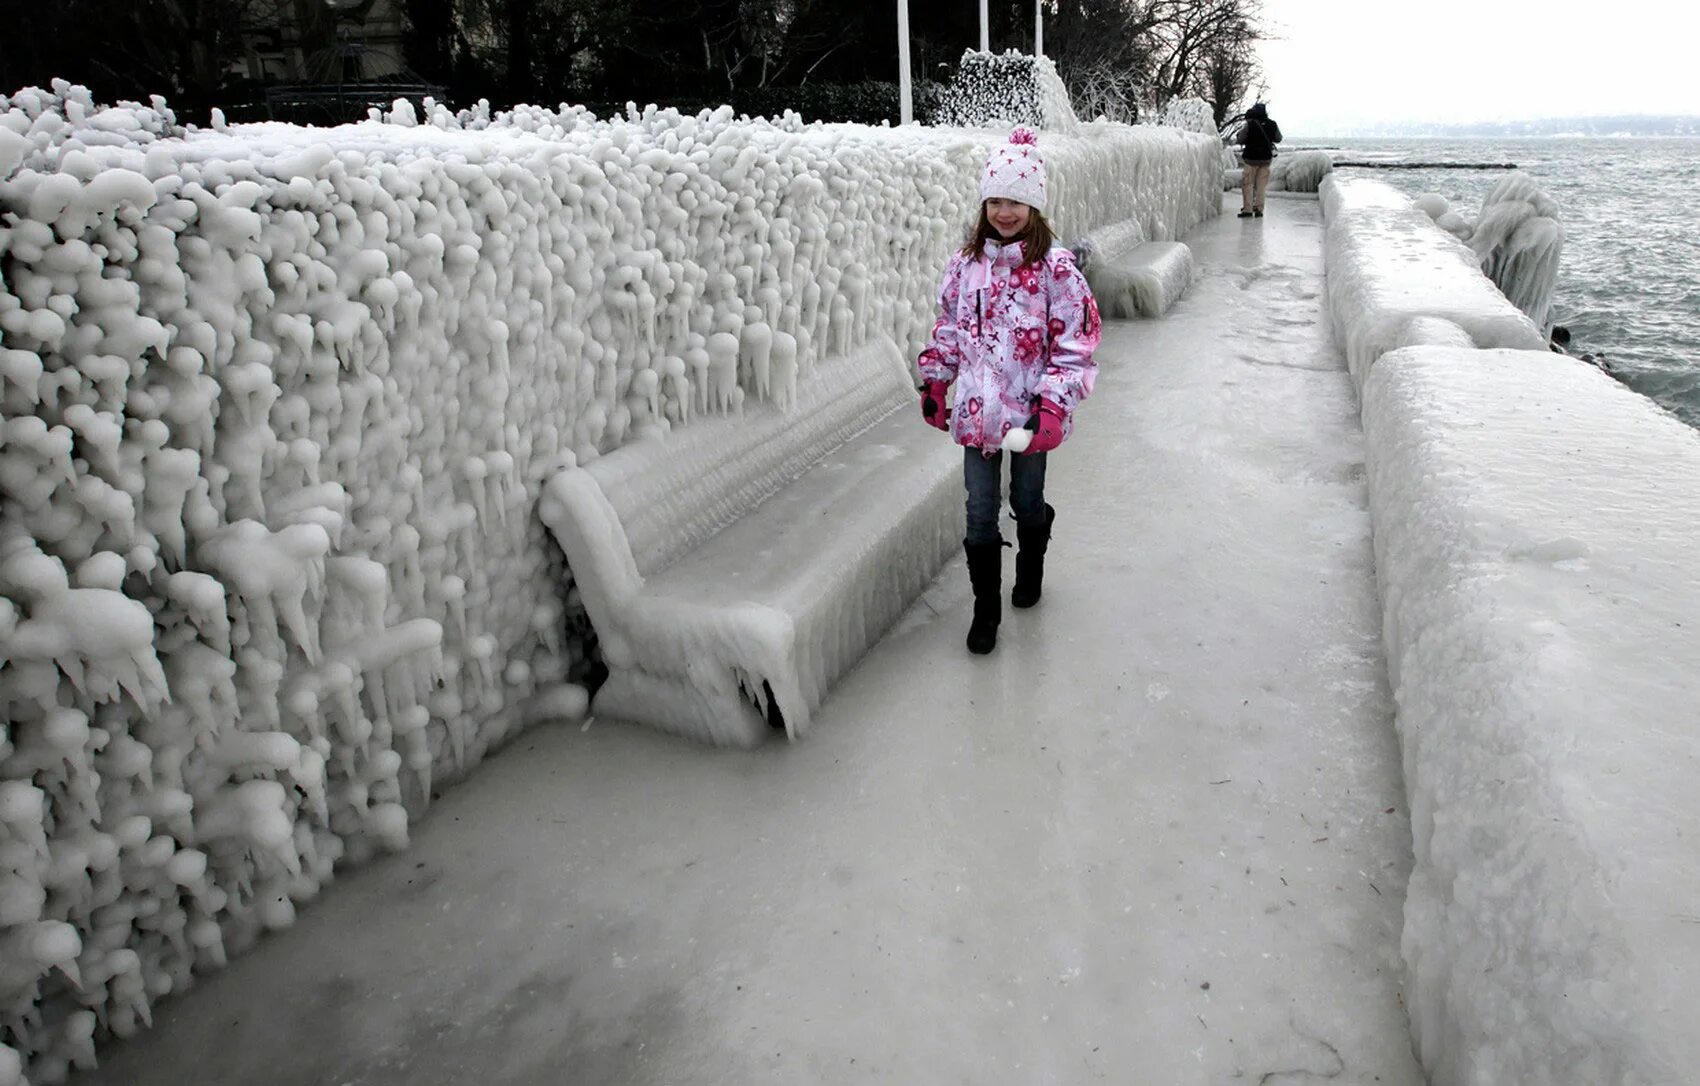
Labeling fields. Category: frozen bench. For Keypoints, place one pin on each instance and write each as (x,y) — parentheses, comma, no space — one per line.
(1132,277)
(736,568)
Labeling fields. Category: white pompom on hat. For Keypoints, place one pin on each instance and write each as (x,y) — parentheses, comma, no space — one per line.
(1015,171)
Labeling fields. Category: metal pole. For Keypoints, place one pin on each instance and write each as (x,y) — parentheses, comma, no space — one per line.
(1038,28)
(985,29)
(905,93)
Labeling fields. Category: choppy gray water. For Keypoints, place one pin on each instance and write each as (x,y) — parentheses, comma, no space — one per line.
(1627,282)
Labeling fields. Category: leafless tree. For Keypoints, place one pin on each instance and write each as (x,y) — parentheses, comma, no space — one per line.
(1102,51)
(1188,37)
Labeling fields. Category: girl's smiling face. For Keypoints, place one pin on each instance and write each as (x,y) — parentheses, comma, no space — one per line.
(1008,217)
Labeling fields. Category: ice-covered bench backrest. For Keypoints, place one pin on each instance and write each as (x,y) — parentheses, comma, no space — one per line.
(1107,244)
(673,492)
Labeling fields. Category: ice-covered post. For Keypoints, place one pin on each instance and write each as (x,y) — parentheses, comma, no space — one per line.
(905,96)
(985,29)
(1038,28)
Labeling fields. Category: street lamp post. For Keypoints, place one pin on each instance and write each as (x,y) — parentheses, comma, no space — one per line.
(1038,28)
(905,93)
(985,29)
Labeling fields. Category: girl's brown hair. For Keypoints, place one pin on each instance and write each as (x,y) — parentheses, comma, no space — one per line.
(1035,240)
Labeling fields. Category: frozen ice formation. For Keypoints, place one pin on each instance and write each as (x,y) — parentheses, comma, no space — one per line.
(1521,499)
(734,571)
(1518,239)
(1389,264)
(1135,278)
(1004,89)
(1535,556)
(1300,171)
(1292,171)
(1190,115)
(279,404)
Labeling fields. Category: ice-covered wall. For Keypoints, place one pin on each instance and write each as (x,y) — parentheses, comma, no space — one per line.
(1536,558)
(277,406)
(1517,239)
(1396,279)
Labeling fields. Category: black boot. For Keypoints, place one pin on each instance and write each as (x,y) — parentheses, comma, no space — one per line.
(1030,560)
(985,573)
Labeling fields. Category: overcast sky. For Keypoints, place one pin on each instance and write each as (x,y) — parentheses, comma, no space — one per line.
(1337,64)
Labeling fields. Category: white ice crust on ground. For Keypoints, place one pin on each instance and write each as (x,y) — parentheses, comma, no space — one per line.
(1389,264)
(279,404)
(1537,562)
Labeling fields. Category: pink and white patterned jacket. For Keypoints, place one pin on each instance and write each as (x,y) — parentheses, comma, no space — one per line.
(1007,334)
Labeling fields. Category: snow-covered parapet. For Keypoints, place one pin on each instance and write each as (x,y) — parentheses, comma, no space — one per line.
(1006,89)
(1517,239)
(278,405)
(1536,563)
(1536,553)
(1395,279)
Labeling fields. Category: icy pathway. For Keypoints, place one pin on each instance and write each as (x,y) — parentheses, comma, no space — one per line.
(1148,841)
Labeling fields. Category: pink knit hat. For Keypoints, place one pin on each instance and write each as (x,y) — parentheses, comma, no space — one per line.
(1015,171)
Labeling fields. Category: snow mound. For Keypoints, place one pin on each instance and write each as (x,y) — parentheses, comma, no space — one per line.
(1520,499)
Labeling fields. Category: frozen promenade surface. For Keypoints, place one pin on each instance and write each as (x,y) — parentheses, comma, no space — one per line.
(1159,837)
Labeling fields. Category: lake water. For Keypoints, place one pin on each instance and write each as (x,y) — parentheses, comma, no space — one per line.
(1629,277)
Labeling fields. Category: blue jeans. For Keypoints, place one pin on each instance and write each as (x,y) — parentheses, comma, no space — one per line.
(983,478)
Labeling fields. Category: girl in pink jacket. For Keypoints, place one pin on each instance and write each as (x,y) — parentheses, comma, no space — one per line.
(1016,331)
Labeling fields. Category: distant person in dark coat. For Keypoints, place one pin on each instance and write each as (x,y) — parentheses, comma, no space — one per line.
(1257,138)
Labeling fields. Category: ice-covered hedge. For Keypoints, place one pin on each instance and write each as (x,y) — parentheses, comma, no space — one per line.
(1536,558)
(277,406)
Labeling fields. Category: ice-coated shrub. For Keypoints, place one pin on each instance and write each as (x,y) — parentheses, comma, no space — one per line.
(1000,90)
(1189,114)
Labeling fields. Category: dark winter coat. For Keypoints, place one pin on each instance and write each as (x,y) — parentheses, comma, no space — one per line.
(1259,134)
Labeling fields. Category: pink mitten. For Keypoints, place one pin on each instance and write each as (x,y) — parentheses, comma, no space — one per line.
(1049,433)
(932,405)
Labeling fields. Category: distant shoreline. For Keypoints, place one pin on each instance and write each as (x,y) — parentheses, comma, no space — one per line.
(1615,127)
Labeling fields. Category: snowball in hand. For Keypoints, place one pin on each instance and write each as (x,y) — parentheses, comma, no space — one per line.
(1016,441)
